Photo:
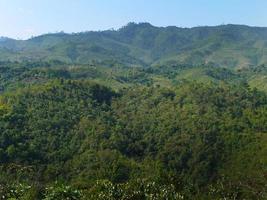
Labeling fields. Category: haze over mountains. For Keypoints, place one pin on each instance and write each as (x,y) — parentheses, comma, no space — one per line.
(143,44)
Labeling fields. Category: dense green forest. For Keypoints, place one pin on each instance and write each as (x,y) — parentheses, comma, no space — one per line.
(106,131)
(138,113)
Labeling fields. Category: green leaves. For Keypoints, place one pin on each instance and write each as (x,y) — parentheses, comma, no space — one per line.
(60,192)
(182,139)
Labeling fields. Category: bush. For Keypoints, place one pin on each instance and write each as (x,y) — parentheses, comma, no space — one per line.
(60,191)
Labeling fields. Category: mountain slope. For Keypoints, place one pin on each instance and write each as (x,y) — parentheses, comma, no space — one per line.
(144,44)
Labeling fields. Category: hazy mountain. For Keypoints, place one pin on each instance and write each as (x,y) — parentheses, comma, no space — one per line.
(225,45)
(2,39)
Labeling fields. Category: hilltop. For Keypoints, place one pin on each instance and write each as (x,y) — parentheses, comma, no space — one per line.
(143,44)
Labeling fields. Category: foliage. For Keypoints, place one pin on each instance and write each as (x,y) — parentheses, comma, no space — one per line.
(60,191)
(139,189)
(112,132)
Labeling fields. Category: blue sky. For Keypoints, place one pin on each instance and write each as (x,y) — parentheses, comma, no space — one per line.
(25,18)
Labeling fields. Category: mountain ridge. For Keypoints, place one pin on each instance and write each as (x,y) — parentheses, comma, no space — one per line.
(144,44)
(130,23)
(75,128)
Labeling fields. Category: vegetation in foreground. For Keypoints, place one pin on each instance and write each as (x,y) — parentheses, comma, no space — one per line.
(102,131)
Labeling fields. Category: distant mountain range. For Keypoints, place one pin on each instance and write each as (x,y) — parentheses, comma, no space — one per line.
(3,39)
(143,44)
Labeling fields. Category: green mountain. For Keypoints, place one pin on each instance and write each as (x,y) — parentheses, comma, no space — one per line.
(144,44)
(140,113)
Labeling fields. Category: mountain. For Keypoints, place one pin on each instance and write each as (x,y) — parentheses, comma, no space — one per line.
(78,121)
(143,44)
(3,39)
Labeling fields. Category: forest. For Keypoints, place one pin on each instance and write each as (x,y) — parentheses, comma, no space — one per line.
(138,113)
(105,131)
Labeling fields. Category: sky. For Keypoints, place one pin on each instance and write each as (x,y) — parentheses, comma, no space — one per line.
(22,19)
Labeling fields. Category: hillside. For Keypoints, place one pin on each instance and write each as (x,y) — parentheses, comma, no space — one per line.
(109,131)
(143,44)
(144,112)
(189,141)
